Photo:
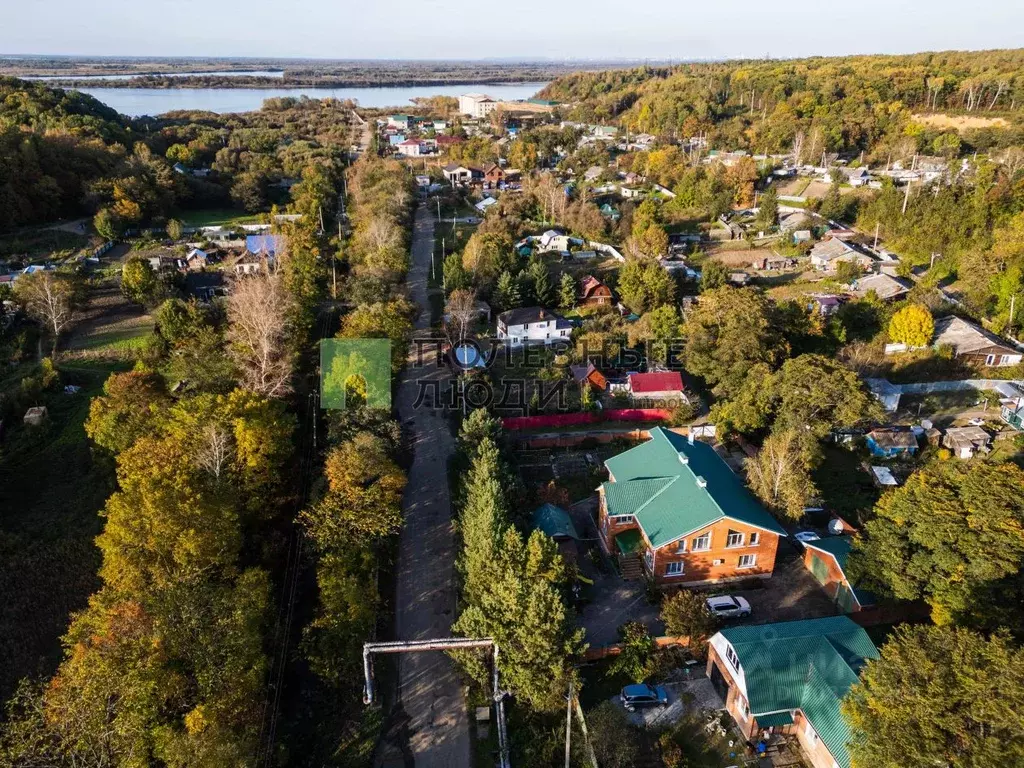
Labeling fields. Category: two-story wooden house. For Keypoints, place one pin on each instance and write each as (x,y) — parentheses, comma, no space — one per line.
(674,509)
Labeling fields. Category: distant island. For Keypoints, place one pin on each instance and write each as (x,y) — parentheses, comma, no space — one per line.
(158,73)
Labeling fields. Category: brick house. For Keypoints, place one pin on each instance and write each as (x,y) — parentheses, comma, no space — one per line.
(791,677)
(826,560)
(673,510)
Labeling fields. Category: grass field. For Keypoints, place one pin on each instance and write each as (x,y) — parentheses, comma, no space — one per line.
(216,217)
(51,490)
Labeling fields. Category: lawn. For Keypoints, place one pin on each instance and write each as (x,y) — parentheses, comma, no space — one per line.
(51,489)
(119,341)
(214,217)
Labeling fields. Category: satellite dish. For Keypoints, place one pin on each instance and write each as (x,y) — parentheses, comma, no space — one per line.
(927,423)
(835,526)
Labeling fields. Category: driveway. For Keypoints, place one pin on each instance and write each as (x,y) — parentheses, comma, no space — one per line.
(791,593)
(691,696)
(428,727)
(612,600)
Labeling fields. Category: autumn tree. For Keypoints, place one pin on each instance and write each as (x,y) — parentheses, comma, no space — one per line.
(939,696)
(727,333)
(644,285)
(779,474)
(713,274)
(460,313)
(912,325)
(50,298)
(175,229)
(303,271)
(686,615)
(952,535)
(130,407)
(258,308)
(139,282)
(382,320)
(487,254)
(768,209)
(819,394)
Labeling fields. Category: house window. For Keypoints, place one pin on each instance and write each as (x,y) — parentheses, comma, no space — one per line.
(990,359)
(674,569)
(734,539)
(622,519)
(702,543)
(680,546)
(755,539)
(748,561)
(744,709)
(515,339)
(732,658)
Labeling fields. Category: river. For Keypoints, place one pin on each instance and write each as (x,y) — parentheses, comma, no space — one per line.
(135,102)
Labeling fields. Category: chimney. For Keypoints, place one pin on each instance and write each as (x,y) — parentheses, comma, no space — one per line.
(689,435)
(684,459)
(701,482)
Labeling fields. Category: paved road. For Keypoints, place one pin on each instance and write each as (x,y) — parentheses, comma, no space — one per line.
(430,726)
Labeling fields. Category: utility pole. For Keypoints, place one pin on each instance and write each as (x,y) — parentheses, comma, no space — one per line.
(1013,303)
(906,198)
(878,225)
(438,209)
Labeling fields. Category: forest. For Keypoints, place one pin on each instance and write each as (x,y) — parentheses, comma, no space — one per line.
(219,617)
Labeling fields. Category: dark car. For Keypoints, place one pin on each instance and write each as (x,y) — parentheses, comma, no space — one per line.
(643,695)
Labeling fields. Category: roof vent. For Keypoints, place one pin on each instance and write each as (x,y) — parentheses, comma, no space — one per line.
(684,460)
(701,482)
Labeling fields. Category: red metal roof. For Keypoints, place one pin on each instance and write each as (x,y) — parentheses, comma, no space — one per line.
(667,381)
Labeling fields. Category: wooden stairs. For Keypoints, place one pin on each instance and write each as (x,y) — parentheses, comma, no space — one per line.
(630,567)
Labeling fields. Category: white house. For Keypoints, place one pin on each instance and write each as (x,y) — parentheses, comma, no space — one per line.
(532,325)
(476,104)
(412,148)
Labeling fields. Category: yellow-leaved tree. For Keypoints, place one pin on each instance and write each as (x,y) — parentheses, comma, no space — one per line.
(912,325)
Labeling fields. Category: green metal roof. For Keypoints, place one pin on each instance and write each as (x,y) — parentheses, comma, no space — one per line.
(837,546)
(629,541)
(653,483)
(808,665)
(554,521)
(774,719)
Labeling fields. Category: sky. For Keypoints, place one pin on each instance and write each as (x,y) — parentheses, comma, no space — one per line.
(476,29)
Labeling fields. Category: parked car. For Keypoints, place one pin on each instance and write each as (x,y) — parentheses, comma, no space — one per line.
(802,537)
(728,607)
(643,695)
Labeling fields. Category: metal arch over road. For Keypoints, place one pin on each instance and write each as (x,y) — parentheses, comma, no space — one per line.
(428,725)
(445,644)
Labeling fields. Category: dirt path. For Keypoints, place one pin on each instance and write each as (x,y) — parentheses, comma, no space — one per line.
(429,727)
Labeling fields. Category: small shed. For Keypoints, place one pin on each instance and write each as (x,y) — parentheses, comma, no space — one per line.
(883,477)
(891,443)
(965,442)
(590,375)
(556,523)
(35,416)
